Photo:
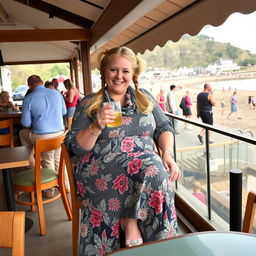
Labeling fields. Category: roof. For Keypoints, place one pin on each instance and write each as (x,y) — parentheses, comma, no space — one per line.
(34,31)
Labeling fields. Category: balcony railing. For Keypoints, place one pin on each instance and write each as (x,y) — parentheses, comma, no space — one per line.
(208,166)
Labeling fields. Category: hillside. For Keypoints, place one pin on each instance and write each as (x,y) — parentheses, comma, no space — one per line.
(195,51)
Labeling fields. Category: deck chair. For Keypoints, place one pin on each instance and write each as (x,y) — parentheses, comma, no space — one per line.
(7,139)
(76,201)
(249,212)
(38,179)
(12,232)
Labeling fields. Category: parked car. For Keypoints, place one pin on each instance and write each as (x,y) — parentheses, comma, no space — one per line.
(19,92)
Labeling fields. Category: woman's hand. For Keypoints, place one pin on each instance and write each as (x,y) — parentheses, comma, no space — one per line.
(171,165)
(104,116)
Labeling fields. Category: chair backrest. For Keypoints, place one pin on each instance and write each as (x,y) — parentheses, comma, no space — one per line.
(69,123)
(12,232)
(7,139)
(249,214)
(69,166)
(44,145)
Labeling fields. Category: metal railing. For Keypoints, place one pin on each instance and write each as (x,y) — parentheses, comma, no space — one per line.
(240,137)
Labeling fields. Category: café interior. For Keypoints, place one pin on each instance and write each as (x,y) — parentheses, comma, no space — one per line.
(74,32)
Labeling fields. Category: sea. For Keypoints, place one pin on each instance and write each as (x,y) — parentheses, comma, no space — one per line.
(242,85)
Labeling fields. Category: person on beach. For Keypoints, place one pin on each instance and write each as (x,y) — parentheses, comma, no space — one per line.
(204,104)
(161,99)
(233,105)
(187,110)
(253,102)
(124,183)
(222,105)
(171,105)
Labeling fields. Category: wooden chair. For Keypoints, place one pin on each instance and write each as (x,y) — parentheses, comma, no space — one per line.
(7,139)
(12,232)
(38,179)
(76,201)
(249,212)
(69,123)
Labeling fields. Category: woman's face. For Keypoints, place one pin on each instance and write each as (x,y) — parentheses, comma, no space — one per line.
(118,75)
(5,98)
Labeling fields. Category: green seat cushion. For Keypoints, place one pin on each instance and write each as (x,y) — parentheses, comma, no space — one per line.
(27,177)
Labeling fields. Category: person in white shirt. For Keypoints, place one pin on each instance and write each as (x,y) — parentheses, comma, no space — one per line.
(171,105)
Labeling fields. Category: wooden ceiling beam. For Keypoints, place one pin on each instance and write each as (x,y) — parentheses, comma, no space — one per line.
(43,35)
(58,12)
(115,11)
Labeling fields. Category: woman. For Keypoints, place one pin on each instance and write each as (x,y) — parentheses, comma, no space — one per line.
(161,99)
(233,101)
(5,103)
(187,110)
(71,96)
(120,176)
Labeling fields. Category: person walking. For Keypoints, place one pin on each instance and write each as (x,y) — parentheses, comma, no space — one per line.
(234,108)
(171,105)
(161,99)
(205,102)
(187,110)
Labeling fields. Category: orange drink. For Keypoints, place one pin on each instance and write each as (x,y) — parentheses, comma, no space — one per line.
(116,108)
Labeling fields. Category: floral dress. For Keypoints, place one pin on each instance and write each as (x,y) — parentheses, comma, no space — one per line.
(123,176)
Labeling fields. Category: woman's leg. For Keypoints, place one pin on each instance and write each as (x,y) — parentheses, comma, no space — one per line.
(132,232)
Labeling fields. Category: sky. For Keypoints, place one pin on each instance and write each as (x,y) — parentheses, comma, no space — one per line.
(238,30)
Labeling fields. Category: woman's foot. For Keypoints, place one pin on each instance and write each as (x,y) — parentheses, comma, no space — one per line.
(132,232)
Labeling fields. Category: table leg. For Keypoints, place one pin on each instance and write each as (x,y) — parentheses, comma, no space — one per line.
(7,178)
(8,190)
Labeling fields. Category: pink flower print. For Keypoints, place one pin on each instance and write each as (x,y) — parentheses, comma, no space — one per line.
(127,120)
(96,218)
(151,171)
(145,134)
(101,184)
(121,183)
(83,230)
(136,154)
(127,145)
(134,166)
(104,234)
(173,215)
(94,169)
(113,134)
(114,204)
(115,229)
(102,250)
(156,201)
(165,215)
(80,188)
(143,214)
(86,157)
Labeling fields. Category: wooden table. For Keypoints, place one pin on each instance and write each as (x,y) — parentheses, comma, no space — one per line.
(16,116)
(12,158)
(197,244)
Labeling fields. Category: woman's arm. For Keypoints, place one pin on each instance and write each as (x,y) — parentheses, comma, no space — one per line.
(14,108)
(70,95)
(165,143)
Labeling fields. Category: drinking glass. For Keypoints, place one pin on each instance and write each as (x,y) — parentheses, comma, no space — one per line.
(116,108)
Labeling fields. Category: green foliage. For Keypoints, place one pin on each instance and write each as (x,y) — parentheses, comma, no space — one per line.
(20,73)
(192,51)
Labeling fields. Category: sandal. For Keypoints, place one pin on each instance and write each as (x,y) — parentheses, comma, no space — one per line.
(131,242)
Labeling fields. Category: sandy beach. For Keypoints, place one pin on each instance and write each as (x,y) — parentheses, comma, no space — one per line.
(248,121)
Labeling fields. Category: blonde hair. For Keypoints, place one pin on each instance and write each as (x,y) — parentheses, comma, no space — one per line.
(3,93)
(142,102)
(68,84)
